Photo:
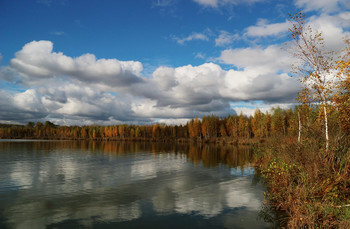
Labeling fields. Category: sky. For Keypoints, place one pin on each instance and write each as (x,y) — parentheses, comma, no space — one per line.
(107,62)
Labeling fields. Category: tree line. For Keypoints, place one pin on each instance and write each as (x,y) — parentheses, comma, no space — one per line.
(274,123)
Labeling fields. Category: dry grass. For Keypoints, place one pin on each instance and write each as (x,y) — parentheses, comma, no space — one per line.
(306,181)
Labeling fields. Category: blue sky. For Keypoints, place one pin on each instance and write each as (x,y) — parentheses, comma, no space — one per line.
(108,62)
(130,30)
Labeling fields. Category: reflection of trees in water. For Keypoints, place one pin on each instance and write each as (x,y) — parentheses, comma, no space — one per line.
(83,189)
(210,155)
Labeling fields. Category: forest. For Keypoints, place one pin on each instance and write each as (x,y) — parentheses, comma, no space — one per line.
(232,129)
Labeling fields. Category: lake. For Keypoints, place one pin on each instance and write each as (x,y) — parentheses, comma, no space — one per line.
(77,184)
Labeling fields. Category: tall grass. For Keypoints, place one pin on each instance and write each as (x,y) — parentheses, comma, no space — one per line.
(307,182)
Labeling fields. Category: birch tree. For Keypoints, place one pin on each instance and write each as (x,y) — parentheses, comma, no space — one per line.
(316,64)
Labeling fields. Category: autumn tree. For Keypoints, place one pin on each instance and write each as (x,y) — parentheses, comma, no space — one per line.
(243,126)
(83,133)
(205,127)
(277,121)
(223,130)
(49,124)
(210,126)
(30,124)
(121,131)
(194,128)
(232,126)
(258,124)
(94,133)
(156,131)
(137,132)
(316,64)
(342,99)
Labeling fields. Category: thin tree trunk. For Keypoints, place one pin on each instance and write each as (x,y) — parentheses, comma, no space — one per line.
(299,132)
(326,125)
(325,118)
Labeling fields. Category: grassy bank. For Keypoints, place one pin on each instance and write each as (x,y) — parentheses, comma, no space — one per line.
(307,182)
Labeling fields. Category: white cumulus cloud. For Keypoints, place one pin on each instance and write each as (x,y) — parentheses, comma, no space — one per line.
(29,101)
(86,90)
(37,61)
(334,28)
(264,60)
(264,29)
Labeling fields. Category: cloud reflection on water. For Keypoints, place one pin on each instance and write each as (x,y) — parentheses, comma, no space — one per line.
(90,187)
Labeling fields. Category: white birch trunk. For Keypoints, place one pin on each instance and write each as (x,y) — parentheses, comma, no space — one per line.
(326,125)
(299,132)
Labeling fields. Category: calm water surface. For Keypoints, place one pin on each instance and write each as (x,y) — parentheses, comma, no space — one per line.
(66,184)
